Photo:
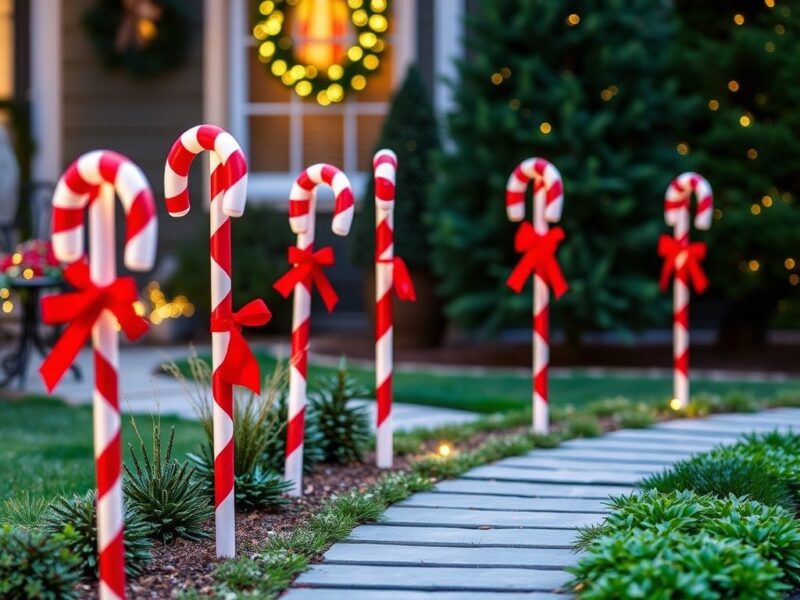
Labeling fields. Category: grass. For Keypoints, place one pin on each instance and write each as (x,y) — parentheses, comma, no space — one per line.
(488,393)
(46,447)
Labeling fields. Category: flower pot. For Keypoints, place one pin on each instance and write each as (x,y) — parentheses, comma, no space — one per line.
(419,324)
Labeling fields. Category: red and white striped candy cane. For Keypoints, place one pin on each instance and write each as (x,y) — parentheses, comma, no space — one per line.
(228,196)
(93,180)
(677,214)
(548,201)
(302,207)
(390,274)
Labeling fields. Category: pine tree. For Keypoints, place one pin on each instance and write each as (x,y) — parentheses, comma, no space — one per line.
(744,58)
(411,131)
(584,84)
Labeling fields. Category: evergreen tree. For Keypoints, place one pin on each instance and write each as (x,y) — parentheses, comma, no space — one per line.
(411,131)
(583,84)
(743,56)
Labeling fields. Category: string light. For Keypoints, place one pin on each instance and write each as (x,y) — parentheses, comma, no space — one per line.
(752,154)
(753,265)
(713,104)
(789,263)
(573,19)
(496,78)
(745,120)
(162,308)
(755,209)
(545,128)
(717,214)
(8,306)
(738,18)
(683,148)
(444,450)
(766,201)
(733,85)
(794,278)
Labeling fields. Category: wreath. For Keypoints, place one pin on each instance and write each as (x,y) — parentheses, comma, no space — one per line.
(144,37)
(275,49)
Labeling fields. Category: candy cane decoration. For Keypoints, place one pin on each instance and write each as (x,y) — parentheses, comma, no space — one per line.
(391,273)
(101,303)
(232,361)
(538,243)
(684,258)
(305,272)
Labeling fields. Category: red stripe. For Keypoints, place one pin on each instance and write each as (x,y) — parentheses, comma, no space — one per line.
(142,212)
(304,181)
(105,380)
(295,431)
(207,136)
(384,158)
(108,464)
(75,181)
(66,218)
(540,383)
(328,173)
(344,200)
(541,323)
(705,204)
(109,164)
(179,203)
(383,396)
(220,247)
(298,208)
(179,158)
(219,181)
(384,189)
(112,565)
(384,237)
(515,198)
(223,473)
(383,315)
(555,191)
(236,167)
(681,317)
(682,362)
(300,347)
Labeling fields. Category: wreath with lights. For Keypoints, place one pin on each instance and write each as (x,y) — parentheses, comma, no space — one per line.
(144,37)
(275,49)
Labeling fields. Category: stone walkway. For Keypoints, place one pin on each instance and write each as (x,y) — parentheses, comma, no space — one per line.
(504,530)
(141,385)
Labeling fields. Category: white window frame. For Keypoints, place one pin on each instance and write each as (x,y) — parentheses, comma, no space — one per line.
(273,187)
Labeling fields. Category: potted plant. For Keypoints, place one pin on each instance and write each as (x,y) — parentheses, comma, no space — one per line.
(411,131)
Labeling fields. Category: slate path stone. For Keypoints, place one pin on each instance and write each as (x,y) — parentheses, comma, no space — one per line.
(506,530)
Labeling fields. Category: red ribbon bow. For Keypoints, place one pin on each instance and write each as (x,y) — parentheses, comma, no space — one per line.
(240,367)
(401,279)
(671,249)
(79,310)
(539,257)
(307,268)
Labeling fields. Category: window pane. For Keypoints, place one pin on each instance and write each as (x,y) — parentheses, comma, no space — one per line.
(379,85)
(269,144)
(369,130)
(264,86)
(322,139)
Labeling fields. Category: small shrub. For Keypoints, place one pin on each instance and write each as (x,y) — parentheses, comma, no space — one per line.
(740,402)
(162,491)
(788,398)
(75,519)
(36,566)
(638,416)
(702,405)
(722,475)
(582,426)
(394,487)
(341,513)
(264,574)
(274,454)
(343,424)
(648,564)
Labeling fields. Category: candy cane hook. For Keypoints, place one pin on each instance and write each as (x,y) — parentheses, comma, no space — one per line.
(539,244)
(102,302)
(391,273)
(684,257)
(307,271)
(228,171)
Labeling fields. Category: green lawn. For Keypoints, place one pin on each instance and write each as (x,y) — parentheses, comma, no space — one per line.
(493,393)
(46,447)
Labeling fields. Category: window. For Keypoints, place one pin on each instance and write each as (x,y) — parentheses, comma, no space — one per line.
(282,133)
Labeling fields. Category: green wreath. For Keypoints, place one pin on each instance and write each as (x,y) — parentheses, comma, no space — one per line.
(276,49)
(144,37)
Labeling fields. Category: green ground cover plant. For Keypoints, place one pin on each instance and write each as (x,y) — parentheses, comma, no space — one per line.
(718,525)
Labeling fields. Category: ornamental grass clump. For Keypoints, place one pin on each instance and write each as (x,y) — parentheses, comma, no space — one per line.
(258,483)
(37,565)
(342,421)
(74,521)
(163,491)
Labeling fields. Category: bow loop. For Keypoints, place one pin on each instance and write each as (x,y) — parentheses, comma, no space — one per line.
(240,367)
(401,279)
(684,261)
(538,257)
(79,310)
(307,269)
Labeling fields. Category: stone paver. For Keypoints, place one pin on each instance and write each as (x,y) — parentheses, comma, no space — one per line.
(505,530)
(515,503)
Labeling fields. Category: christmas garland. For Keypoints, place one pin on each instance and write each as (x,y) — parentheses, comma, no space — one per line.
(144,37)
(276,50)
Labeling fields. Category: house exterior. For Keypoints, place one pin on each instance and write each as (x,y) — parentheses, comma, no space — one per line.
(47,59)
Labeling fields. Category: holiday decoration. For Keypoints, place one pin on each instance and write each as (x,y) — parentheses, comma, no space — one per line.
(682,259)
(34,258)
(233,362)
(101,303)
(318,64)
(538,244)
(145,37)
(306,271)
(391,274)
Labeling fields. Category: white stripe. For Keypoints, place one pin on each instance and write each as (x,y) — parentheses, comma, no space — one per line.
(515,211)
(342,221)
(106,593)
(65,197)
(386,171)
(220,284)
(528,168)
(174,184)
(314,172)
(224,519)
(384,447)
(109,515)
(225,145)
(140,251)
(89,167)
(223,430)
(383,357)
(130,182)
(190,142)
(294,471)
(340,183)
(541,416)
(515,184)
(68,244)
(383,279)
(235,198)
